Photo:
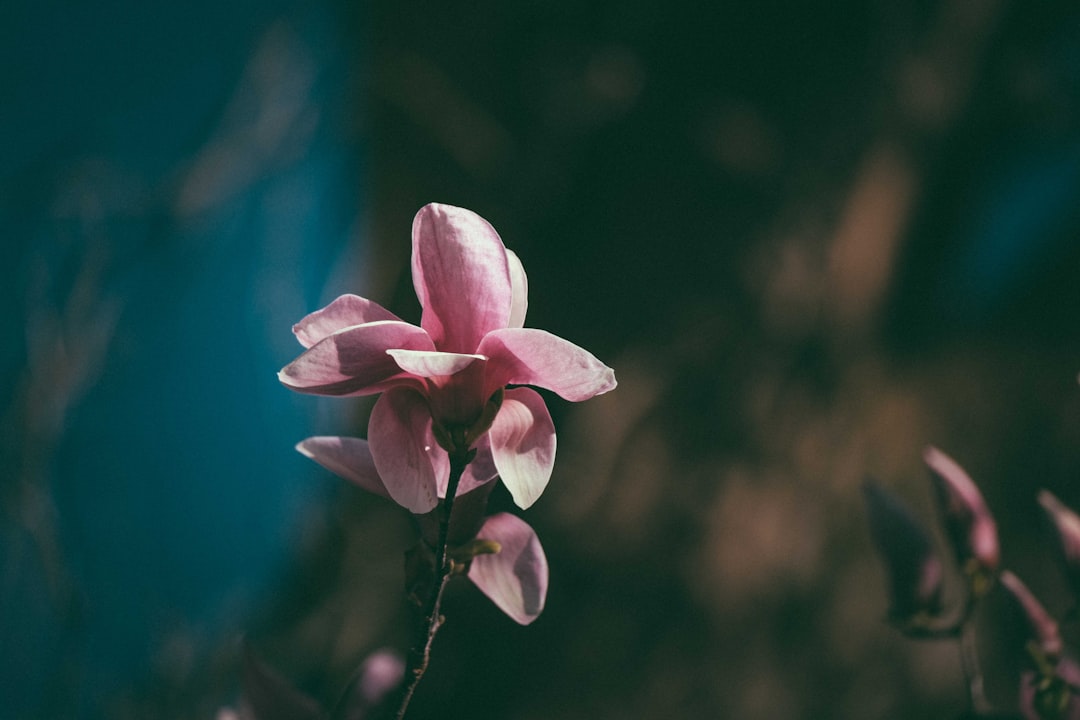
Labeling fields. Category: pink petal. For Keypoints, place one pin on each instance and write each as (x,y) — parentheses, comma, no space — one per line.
(523,445)
(346,457)
(970,526)
(1043,628)
(399,435)
(1067,524)
(353,361)
(461,275)
(432,363)
(380,674)
(345,311)
(524,356)
(516,577)
(1069,672)
(519,285)
(480,471)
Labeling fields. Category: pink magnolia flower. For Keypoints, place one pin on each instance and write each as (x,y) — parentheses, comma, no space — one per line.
(515,578)
(443,382)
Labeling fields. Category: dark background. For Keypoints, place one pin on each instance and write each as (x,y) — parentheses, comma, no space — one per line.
(811,239)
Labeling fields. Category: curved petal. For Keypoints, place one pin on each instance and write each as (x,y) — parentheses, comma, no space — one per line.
(525,356)
(353,361)
(347,457)
(480,471)
(432,363)
(346,311)
(519,285)
(461,275)
(1043,629)
(1067,525)
(516,577)
(399,435)
(523,445)
(968,523)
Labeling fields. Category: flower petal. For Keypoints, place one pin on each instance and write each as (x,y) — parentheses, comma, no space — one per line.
(970,526)
(1067,525)
(399,435)
(345,311)
(347,457)
(353,361)
(516,577)
(523,445)
(432,363)
(461,275)
(525,356)
(480,471)
(1043,628)
(519,285)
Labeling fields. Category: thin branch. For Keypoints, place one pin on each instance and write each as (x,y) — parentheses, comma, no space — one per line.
(420,656)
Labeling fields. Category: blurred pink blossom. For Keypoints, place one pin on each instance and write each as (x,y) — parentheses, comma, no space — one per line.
(1067,525)
(970,527)
(442,383)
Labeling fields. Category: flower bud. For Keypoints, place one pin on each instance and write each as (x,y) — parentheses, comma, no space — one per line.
(1067,524)
(914,569)
(1043,628)
(969,526)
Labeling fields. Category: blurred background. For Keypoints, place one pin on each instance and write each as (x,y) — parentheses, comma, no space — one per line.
(811,239)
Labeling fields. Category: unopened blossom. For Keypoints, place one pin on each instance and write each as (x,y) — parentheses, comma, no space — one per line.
(444,382)
(1067,525)
(1042,627)
(915,572)
(969,525)
(514,577)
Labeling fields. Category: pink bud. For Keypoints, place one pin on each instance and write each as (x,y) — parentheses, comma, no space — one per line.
(1044,629)
(968,523)
(1067,525)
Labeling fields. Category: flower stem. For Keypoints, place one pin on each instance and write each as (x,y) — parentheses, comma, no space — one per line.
(420,656)
(969,658)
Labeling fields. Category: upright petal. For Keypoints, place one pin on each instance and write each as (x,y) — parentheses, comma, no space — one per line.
(519,285)
(345,311)
(523,445)
(461,275)
(346,457)
(399,435)
(353,361)
(525,356)
(516,577)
